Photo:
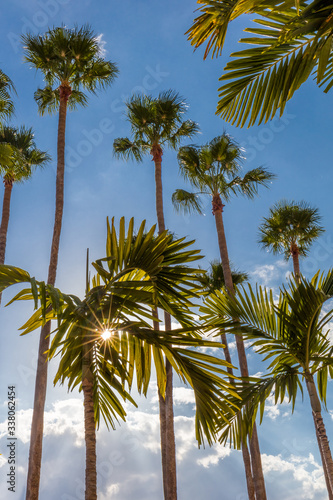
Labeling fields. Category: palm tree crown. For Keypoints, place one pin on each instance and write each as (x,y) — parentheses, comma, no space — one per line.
(290,227)
(214,279)
(25,154)
(214,169)
(155,122)
(69,59)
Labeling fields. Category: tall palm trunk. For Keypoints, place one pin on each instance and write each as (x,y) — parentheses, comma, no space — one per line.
(255,472)
(89,425)
(295,256)
(5,218)
(168,442)
(36,437)
(322,439)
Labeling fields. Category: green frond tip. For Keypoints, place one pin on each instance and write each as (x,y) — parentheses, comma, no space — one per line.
(186,202)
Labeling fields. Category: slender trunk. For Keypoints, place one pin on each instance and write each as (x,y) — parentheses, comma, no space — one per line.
(295,255)
(5,218)
(162,409)
(168,442)
(89,425)
(322,439)
(245,450)
(36,437)
(255,471)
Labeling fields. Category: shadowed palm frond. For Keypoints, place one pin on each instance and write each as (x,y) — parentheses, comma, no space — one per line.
(24,154)
(124,148)
(186,202)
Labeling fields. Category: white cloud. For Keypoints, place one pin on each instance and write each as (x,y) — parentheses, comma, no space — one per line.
(64,416)
(218,453)
(101,43)
(304,470)
(183,395)
(267,274)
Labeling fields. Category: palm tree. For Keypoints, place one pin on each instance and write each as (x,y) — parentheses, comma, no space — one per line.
(143,269)
(213,279)
(157,123)
(291,229)
(292,43)
(70,60)
(25,156)
(213,170)
(293,335)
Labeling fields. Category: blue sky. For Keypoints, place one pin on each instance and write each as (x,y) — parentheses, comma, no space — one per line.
(146,40)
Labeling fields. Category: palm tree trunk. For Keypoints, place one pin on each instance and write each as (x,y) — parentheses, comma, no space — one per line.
(295,255)
(245,450)
(89,425)
(5,218)
(162,411)
(322,439)
(168,442)
(255,472)
(36,437)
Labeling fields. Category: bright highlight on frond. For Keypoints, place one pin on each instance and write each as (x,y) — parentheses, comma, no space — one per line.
(106,334)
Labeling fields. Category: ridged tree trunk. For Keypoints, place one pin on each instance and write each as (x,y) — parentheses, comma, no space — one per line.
(89,425)
(295,256)
(36,437)
(168,442)
(254,473)
(5,218)
(322,439)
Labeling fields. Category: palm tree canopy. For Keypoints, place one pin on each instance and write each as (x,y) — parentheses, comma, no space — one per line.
(120,300)
(214,169)
(24,155)
(292,42)
(213,21)
(292,334)
(68,58)
(214,278)
(154,122)
(290,224)
(6,103)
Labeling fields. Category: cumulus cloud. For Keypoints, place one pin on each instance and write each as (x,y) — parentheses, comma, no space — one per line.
(304,470)
(218,453)
(267,274)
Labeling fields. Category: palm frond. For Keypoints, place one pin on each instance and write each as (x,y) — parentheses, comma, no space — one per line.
(186,202)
